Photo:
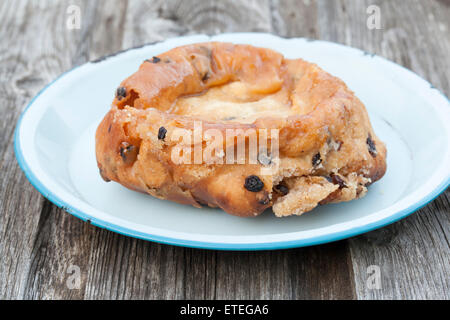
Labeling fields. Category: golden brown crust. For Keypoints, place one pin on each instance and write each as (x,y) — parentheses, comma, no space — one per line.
(317,114)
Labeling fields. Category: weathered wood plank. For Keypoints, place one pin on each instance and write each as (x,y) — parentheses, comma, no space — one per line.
(293,18)
(320,272)
(23,73)
(63,241)
(413,255)
(46,48)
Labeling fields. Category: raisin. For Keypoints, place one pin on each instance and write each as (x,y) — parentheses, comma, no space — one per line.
(128,152)
(371,145)
(253,183)
(336,179)
(281,189)
(316,160)
(153,60)
(162,133)
(121,92)
(205,76)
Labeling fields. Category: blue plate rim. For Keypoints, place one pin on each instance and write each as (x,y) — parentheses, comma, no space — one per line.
(273,245)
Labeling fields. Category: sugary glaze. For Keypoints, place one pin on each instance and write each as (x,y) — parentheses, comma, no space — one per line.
(328,151)
(233,102)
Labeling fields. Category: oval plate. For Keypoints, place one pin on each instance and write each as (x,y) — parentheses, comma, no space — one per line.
(54,144)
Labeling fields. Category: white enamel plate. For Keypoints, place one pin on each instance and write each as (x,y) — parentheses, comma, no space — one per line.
(54,145)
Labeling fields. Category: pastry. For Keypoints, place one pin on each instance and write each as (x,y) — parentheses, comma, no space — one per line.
(183,128)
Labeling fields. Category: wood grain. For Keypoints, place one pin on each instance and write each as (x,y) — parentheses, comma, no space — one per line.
(39,242)
(414,254)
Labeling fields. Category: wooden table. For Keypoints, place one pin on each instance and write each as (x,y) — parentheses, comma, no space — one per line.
(39,242)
